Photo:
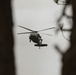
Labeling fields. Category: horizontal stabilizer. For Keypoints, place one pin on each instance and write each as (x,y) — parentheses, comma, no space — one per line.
(42,45)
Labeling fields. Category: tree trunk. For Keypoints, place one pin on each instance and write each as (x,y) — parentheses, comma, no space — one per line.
(7,66)
(69,58)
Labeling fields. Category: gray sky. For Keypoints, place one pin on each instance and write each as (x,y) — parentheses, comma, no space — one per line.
(33,4)
(37,15)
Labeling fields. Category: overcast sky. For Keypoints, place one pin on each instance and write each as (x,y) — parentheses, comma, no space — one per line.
(37,15)
(33,4)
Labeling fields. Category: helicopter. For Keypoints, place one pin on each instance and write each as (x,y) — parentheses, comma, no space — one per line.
(35,37)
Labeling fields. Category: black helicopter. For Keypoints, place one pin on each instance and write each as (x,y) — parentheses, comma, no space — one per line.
(35,36)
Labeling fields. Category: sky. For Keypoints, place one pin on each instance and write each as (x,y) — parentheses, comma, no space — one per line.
(38,15)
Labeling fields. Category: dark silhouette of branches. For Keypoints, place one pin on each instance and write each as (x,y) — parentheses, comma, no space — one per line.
(69,57)
(7,66)
(64,14)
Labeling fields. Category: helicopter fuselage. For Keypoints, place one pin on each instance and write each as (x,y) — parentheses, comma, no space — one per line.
(35,37)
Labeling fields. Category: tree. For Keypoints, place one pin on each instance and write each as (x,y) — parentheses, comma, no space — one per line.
(7,66)
(69,57)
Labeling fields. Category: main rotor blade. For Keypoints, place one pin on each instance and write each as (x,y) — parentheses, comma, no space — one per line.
(25,33)
(47,34)
(66,29)
(46,29)
(25,28)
